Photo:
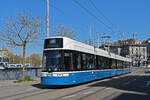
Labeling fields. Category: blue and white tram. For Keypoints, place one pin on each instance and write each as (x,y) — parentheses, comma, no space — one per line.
(69,62)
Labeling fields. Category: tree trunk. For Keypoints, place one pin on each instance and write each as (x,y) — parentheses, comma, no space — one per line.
(23,62)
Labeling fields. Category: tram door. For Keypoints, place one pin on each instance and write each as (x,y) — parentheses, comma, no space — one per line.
(68,62)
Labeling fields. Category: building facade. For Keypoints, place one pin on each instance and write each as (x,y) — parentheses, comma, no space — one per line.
(147,43)
(138,54)
(132,48)
(4,57)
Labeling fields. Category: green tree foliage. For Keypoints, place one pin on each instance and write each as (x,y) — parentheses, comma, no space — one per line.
(34,59)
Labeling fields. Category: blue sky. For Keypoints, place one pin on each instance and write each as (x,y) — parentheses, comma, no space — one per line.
(127,15)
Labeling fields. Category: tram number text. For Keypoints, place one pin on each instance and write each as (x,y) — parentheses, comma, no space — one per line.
(60,75)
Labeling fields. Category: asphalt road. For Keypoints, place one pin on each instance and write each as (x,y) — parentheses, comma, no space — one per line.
(132,86)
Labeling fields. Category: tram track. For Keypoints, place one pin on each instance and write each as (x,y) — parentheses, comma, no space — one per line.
(54,90)
(40,92)
(18,96)
(59,98)
(91,89)
(35,94)
(73,93)
(118,84)
(87,87)
(48,91)
(32,93)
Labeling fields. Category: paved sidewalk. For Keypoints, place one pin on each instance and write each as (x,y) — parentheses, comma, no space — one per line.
(4,83)
(7,83)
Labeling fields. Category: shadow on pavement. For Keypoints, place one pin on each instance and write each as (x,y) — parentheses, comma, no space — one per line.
(137,84)
(40,86)
(131,96)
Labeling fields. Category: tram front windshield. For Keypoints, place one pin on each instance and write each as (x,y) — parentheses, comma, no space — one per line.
(52,61)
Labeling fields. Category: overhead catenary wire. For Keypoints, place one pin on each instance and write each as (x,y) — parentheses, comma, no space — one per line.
(62,13)
(100,12)
(90,13)
(106,18)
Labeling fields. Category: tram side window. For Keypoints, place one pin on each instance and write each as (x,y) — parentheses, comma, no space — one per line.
(113,65)
(119,64)
(123,64)
(76,60)
(84,62)
(102,63)
(106,61)
(110,63)
(68,61)
(90,61)
(87,61)
(99,63)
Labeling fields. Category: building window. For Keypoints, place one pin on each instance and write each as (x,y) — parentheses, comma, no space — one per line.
(132,51)
(143,50)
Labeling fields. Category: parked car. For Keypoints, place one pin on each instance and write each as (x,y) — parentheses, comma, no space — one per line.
(12,66)
(19,65)
(27,65)
(2,66)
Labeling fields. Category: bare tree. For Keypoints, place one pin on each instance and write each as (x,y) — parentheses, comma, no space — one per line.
(20,30)
(64,31)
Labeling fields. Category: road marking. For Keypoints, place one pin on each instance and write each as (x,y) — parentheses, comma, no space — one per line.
(147,83)
(88,92)
(108,88)
(133,92)
(68,96)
